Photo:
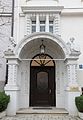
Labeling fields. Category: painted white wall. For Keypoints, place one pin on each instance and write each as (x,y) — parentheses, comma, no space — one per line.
(72,26)
(80,77)
(70,3)
(21,28)
(60,84)
(70,102)
(24,84)
(5,31)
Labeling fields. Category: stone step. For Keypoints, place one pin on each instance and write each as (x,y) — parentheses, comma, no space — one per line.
(43,110)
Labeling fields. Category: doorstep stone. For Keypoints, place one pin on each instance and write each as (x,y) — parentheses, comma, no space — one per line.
(39,110)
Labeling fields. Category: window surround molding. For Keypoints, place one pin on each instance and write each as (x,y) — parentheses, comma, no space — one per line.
(37,17)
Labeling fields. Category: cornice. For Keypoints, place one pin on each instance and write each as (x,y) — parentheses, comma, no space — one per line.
(34,9)
(72,11)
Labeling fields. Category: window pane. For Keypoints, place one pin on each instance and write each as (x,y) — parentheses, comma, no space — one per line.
(42,28)
(33,29)
(51,29)
(42,82)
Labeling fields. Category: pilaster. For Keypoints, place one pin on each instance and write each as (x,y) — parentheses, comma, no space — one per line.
(72,88)
(12,72)
(57,24)
(27,25)
(11,87)
(72,75)
(47,23)
(37,23)
(16,20)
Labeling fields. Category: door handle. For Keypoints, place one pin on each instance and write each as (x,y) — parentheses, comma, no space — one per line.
(50,91)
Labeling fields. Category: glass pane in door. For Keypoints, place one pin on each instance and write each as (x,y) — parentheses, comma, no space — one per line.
(42,81)
(42,87)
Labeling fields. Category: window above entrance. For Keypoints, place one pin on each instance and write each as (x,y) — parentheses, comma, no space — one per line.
(46,61)
(42,24)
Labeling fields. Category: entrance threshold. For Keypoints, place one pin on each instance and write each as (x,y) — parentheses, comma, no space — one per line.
(43,110)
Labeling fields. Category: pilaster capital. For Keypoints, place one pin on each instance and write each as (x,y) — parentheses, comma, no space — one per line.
(71,61)
(13,62)
(11,57)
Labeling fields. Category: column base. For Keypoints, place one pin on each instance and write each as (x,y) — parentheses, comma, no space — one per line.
(11,87)
(13,91)
(70,101)
(73,89)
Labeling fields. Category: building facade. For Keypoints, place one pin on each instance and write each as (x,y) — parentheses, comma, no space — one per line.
(5,33)
(45,55)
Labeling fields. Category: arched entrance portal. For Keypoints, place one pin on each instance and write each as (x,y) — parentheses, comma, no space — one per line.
(38,89)
(42,81)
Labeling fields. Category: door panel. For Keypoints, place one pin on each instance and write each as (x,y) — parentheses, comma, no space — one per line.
(42,86)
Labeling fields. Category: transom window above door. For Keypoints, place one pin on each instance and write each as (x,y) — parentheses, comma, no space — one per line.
(42,61)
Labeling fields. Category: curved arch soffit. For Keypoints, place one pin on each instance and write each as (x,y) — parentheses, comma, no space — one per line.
(41,36)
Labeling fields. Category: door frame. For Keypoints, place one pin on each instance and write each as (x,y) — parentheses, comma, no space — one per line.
(54,82)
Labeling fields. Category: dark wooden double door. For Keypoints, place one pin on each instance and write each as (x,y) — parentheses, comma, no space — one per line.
(42,86)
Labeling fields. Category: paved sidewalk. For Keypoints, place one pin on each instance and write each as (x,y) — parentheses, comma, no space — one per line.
(41,117)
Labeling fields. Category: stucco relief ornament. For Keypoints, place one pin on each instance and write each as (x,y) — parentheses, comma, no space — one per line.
(73,46)
(12,44)
(11,47)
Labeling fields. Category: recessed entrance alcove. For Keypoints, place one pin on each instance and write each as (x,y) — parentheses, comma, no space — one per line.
(42,81)
(42,71)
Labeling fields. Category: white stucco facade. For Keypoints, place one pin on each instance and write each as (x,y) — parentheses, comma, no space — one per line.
(5,33)
(63,44)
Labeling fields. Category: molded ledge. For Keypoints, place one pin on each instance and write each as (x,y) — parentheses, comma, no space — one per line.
(30,9)
(72,11)
(11,88)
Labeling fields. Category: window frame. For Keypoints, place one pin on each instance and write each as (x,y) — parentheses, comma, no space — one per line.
(51,24)
(42,24)
(33,24)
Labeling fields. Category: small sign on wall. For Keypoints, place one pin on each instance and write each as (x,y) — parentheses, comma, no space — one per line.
(81,66)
